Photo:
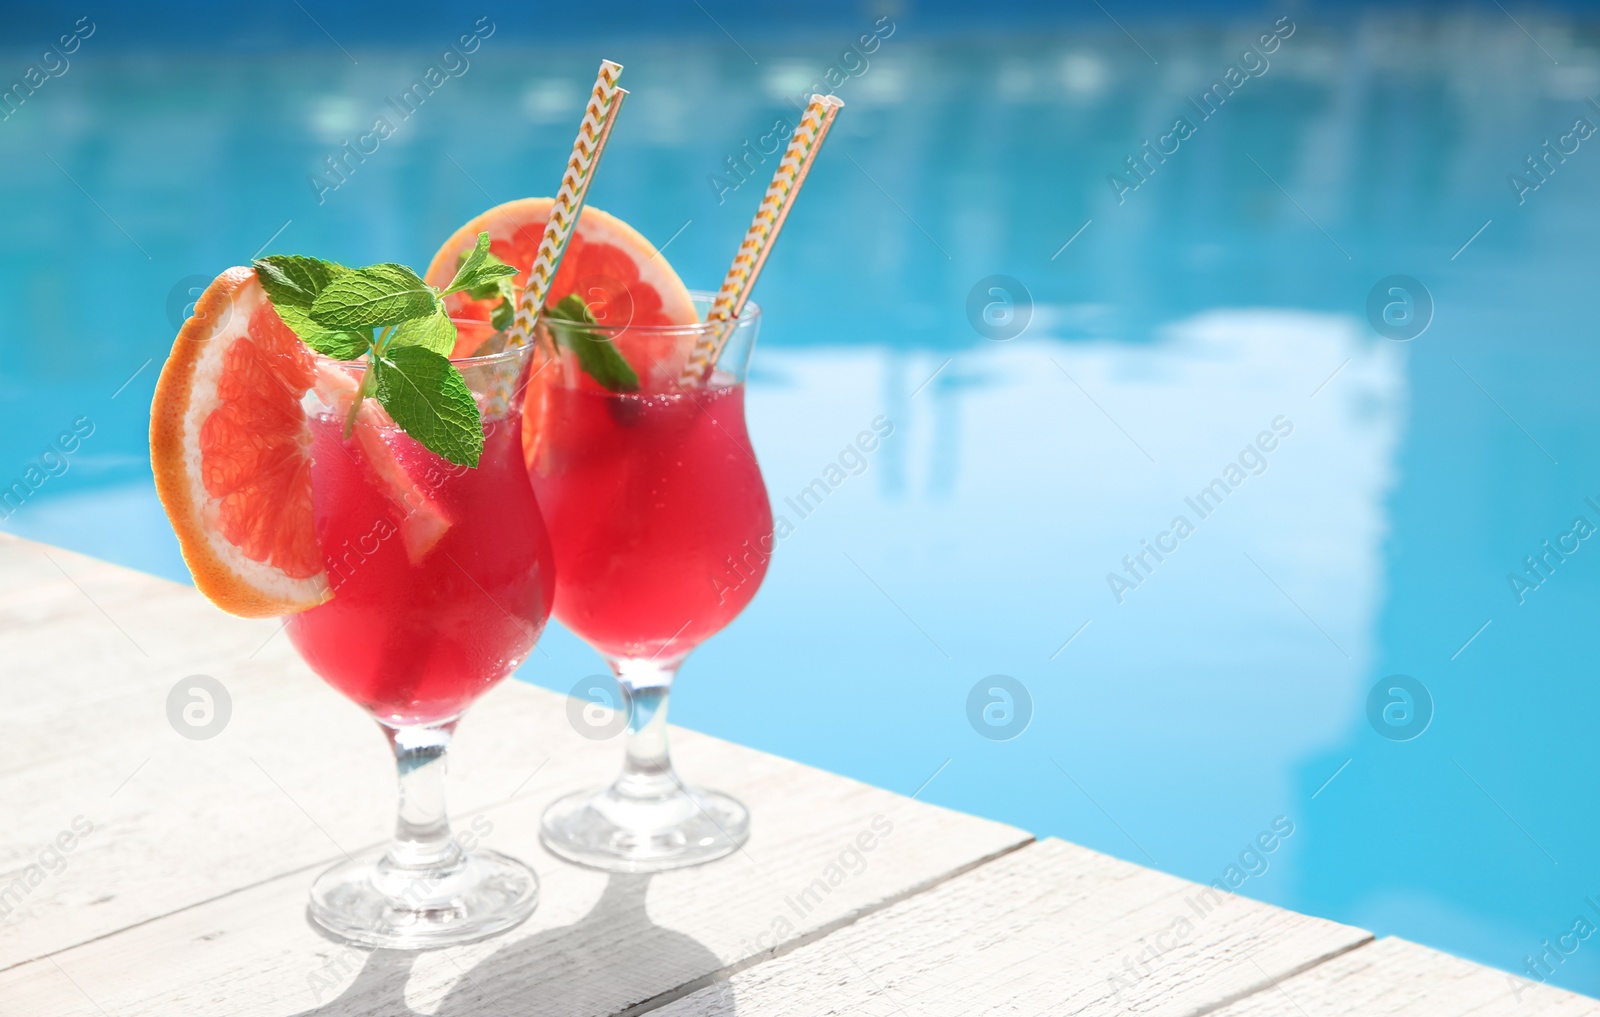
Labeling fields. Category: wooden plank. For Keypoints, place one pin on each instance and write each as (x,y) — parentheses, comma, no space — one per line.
(90,652)
(598,944)
(222,836)
(1393,977)
(1051,929)
(93,651)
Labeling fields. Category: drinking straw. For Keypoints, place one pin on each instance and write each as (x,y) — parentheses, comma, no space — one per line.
(598,117)
(763,232)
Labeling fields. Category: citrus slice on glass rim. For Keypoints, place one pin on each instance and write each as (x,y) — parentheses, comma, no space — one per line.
(620,275)
(230,448)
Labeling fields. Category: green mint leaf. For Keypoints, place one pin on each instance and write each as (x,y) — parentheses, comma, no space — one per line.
(493,279)
(292,284)
(338,345)
(492,282)
(503,289)
(597,355)
(294,281)
(470,261)
(485,277)
(486,280)
(429,399)
(480,273)
(435,332)
(334,309)
(503,315)
(376,295)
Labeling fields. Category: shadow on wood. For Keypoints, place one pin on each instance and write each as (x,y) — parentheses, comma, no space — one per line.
(605,963)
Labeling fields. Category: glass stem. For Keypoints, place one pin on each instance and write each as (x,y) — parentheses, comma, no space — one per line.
(422,838)
(647,768)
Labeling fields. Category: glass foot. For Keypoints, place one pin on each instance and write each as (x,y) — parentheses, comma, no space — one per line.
(371,902)
(617,833)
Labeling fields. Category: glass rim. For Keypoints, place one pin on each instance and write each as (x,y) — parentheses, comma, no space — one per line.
(751,313)
(508,354)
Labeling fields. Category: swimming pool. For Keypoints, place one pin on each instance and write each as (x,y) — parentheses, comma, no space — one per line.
(1201,343)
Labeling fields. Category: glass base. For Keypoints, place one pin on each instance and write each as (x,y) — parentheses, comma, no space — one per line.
(369,901)
(618,833)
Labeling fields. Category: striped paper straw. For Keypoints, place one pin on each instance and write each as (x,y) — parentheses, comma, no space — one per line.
(763,232)
(604,103)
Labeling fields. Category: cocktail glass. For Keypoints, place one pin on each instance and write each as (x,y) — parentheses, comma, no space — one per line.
(442,582)
(662,531)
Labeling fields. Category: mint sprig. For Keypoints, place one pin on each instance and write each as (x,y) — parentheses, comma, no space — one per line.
(384,294)
(499,286)
(429,399)
(481,274)
(597,355)
(392,317)
(435,332)
(292,284)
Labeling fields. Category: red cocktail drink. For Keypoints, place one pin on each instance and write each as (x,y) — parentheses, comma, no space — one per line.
(660,521)
(662,533)
(441,574)
(442,579)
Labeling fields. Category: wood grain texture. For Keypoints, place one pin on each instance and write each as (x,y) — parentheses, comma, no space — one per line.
(183,889)
(1051,929)
(1392,977)
(201,852)
(598,944)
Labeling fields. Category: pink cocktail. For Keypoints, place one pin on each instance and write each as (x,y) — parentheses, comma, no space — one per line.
(689,531)
(442,579)
(441,574)
(662,533)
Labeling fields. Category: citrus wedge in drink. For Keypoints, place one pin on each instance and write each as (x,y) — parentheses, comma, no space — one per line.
(422,520)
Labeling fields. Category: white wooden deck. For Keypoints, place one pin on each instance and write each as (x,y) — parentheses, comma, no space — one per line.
(187,895)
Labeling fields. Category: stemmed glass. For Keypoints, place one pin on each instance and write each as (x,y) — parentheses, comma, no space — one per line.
(442,583)
(662,531)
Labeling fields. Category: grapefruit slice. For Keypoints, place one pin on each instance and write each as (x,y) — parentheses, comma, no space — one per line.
(423,521)
(230,448)
(619,274)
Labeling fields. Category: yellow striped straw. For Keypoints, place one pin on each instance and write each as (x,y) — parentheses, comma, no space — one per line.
(598,117)
(763,232)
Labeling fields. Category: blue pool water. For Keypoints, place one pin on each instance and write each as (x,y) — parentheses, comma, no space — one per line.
(1377,495)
